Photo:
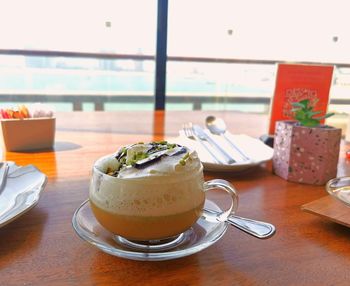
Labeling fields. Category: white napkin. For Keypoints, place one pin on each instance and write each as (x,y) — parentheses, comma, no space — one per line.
(253,148)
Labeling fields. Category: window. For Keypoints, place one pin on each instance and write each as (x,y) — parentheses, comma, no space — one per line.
(68,29)
(99,55)
(232,48)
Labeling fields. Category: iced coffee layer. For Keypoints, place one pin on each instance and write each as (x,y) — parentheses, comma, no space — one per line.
(147,227)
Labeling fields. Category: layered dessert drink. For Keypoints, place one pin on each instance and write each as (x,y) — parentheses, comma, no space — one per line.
(148,191)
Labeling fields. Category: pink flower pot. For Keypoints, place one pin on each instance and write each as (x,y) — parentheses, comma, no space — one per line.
(306,154)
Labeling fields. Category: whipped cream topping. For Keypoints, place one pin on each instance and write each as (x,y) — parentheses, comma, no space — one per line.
(169,185)
(168,165)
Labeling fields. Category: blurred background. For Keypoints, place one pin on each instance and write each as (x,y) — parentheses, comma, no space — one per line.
(221,55)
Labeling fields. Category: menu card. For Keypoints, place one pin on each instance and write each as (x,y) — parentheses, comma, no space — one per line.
(295,82)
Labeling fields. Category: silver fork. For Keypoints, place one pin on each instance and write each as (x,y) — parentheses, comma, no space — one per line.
(188,130)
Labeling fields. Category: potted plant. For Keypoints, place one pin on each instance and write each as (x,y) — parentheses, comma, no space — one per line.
(306,151)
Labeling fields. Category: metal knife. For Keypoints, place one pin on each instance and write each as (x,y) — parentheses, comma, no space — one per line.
(199,132)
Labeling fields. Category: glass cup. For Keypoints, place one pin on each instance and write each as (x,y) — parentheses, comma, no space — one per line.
(153,210)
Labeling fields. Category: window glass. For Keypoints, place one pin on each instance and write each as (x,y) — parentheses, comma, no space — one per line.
(102,27)
(250,35)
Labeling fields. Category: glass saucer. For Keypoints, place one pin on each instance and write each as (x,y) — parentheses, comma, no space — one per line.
(339,188)
(200,236)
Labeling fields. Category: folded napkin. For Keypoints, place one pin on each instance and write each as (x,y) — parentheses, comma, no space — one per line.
(253,148)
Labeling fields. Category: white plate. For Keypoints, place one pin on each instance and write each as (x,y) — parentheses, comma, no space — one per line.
(201,235)
(21,193)
(256,150)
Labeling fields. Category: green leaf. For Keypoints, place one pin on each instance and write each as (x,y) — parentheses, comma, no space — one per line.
(299,115)
(312,113)
(303,112)
(325,116)
(310,122)
(329,115)
(304,103)
(298,104)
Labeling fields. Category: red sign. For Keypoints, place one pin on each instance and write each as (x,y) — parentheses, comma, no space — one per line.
(297,82)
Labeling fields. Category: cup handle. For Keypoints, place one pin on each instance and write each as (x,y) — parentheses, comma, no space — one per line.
(214,216)
(258,229)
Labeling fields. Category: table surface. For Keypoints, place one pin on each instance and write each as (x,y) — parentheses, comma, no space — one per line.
(41,247)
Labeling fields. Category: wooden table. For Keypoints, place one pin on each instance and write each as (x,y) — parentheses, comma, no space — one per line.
(41,247)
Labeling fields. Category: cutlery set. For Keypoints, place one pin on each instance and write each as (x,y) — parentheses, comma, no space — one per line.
(189,133)
(217,127)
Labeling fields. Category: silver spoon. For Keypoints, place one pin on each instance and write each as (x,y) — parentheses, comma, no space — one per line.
(217,126)
(256,228)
